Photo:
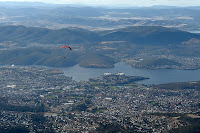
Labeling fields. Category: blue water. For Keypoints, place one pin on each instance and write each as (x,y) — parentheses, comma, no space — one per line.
(156,76)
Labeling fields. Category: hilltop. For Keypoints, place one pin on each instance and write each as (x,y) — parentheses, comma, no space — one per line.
(153,35)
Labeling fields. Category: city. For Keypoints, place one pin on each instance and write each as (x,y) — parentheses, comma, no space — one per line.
(44,100)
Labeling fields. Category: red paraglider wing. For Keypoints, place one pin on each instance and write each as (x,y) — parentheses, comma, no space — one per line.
(66,46)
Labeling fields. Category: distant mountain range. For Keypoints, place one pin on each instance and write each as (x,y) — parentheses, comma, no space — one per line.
(22,34)
(151,35)
(58,16)
(124,6)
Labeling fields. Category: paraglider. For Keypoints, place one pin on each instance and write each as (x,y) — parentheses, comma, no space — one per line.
(66,46)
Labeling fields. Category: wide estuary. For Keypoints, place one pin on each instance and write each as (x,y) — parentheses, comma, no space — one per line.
(156,76)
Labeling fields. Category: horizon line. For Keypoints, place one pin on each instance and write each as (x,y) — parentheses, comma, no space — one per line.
(98,5)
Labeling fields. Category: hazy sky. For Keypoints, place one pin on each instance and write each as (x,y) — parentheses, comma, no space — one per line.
(120,2)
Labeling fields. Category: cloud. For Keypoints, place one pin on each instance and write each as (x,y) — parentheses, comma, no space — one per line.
(133,2)
(121,2)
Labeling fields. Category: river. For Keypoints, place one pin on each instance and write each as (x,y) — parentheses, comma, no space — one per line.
(156,76)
